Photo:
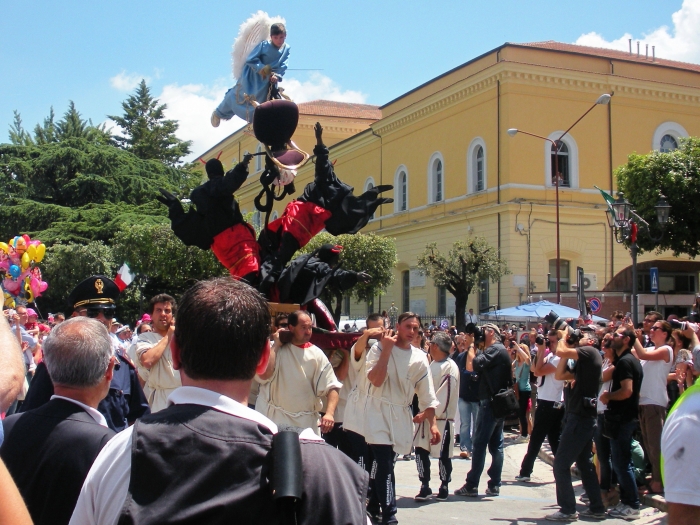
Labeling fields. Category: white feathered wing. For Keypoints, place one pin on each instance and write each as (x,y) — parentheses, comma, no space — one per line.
(250,34)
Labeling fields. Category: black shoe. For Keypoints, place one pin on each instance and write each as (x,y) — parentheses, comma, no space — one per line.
(442,493)
(466,491)
(493,491)
(424,494)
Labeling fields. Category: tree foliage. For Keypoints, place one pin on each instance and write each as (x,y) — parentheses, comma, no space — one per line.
(147,133)
(464,266)
(677,176)
(361,253)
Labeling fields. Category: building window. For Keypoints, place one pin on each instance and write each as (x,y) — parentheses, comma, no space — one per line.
(563,275)
(442,301)
(370,306)
(274,216)
(256,220)
(668,143)
(484,296)
(568,161)
(667,137)
(563,167)
(259,159)
(401,189)
(436,178)
(476,166)
(405,291)
(346,305)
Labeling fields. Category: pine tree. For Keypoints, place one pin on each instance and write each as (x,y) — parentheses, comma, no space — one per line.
(18,135)
(147,133)
(46,134)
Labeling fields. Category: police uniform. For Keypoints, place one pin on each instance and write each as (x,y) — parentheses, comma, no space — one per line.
(125,402)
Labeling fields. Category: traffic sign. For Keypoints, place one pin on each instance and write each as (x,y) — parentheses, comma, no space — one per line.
(595,305)
(654,275)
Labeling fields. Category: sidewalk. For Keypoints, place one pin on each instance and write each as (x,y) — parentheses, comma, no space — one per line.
(652,500)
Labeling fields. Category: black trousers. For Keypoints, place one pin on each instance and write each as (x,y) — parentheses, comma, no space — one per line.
(444,461)
(523,398)
(337,438)
(384,480)
(547,424)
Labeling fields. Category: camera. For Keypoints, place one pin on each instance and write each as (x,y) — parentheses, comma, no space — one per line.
(539,340)
(572,336)
(476,331)
(590,402)
(679,325)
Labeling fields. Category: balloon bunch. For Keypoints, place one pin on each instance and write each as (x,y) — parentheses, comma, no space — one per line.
(21,277)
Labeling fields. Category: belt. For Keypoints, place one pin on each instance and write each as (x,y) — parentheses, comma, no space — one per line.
(553,404)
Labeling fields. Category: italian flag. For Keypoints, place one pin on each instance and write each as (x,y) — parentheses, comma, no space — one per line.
(124,277)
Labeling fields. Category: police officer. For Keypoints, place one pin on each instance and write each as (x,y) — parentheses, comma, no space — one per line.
(95,297)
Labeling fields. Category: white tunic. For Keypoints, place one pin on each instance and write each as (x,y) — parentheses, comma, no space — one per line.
(388,419)
(161,379)
(292,395)
(353,418)
(445,375)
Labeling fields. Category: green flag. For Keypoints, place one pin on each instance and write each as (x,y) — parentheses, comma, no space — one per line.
(608,198)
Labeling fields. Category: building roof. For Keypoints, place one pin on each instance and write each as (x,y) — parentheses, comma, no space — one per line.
(611,53)
(329,108)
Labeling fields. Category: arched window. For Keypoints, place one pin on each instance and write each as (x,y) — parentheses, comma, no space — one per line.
(667,137)
(476,166)
(441,301)
(259,159)
(483,296)
(567,157)
(436,178)
(564,266)
(274,216)
(560,155)
(401,189)
(256,220)
(369,184)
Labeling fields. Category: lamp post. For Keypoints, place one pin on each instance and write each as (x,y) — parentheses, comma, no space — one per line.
(625,224)
(602,100)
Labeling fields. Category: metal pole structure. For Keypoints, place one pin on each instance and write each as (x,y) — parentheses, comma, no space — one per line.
(556,178)
(635,304)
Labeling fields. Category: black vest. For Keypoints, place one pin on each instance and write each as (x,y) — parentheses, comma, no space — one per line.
(191,464)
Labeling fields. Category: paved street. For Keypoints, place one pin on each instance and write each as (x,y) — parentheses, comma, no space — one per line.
(518,502)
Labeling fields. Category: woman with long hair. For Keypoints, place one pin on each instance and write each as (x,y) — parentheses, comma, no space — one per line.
(653,398)
(523,390)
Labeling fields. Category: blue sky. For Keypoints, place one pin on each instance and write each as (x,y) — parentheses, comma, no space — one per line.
(94,52)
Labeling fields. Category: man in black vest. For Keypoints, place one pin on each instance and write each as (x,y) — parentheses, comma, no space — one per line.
(581,364)
(206,457)
(49,450)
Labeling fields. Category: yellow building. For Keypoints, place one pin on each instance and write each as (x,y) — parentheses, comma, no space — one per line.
(456,171)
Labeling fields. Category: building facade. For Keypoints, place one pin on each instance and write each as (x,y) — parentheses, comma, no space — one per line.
(457,172)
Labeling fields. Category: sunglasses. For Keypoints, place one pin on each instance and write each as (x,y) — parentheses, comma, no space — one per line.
(283,325)
(93,312)
(655,328)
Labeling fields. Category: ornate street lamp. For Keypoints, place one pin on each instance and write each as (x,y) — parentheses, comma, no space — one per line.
(556,145)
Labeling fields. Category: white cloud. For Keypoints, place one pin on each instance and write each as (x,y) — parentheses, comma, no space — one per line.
(680,43)
(320,87)
(127,81)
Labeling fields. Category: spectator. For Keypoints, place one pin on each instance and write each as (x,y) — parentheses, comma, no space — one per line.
(494,367)
(204,458)
(523,389)
(12,370)
(49,450)
(298,375)
(653,397)
(602,443)
(620,418)
(468,395)
(153,356)
(581,363)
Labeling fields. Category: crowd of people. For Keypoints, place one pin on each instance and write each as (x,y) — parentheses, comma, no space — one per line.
(179,422)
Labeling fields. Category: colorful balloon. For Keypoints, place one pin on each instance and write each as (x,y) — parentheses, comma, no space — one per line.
(40,252)
(15,271)
(25,260)
(31,251)
(4,247)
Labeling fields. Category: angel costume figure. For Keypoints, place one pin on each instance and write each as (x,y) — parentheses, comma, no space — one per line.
(258,65)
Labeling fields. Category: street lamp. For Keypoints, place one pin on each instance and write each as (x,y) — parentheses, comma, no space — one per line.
(625,224)
(556,146)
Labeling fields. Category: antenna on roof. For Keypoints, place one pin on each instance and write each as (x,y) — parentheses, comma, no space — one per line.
(630,41)
(637,48)
(653,53)
(647,57)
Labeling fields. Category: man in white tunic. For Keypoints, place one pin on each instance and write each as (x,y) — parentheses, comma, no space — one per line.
(153,357)
(396,370)
(445,375)
(297,377)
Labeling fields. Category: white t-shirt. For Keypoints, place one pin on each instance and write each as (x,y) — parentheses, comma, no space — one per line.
(653,389)
(680,449)
(550,389)
(607,385)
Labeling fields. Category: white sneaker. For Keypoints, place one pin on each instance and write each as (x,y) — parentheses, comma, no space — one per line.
(560,516)
(215,120)
(625,512)
(522,439)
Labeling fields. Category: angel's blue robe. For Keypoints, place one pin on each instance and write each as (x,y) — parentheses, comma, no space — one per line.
(251,83)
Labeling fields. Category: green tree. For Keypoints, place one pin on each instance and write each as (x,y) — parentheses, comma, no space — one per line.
(676,175)
(147,133)
(361,253)
(18,135)
(65,265)
(465,265)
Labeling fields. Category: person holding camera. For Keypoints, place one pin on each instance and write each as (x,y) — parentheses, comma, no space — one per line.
(581,364)
(620,420)
(468,395)
(494,366)
(550,406)
(523,390)
(657,363)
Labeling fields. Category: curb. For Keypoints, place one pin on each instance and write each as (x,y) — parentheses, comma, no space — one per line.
(650,500)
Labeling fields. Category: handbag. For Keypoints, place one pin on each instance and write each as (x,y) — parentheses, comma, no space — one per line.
(504,403)
(611,425)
